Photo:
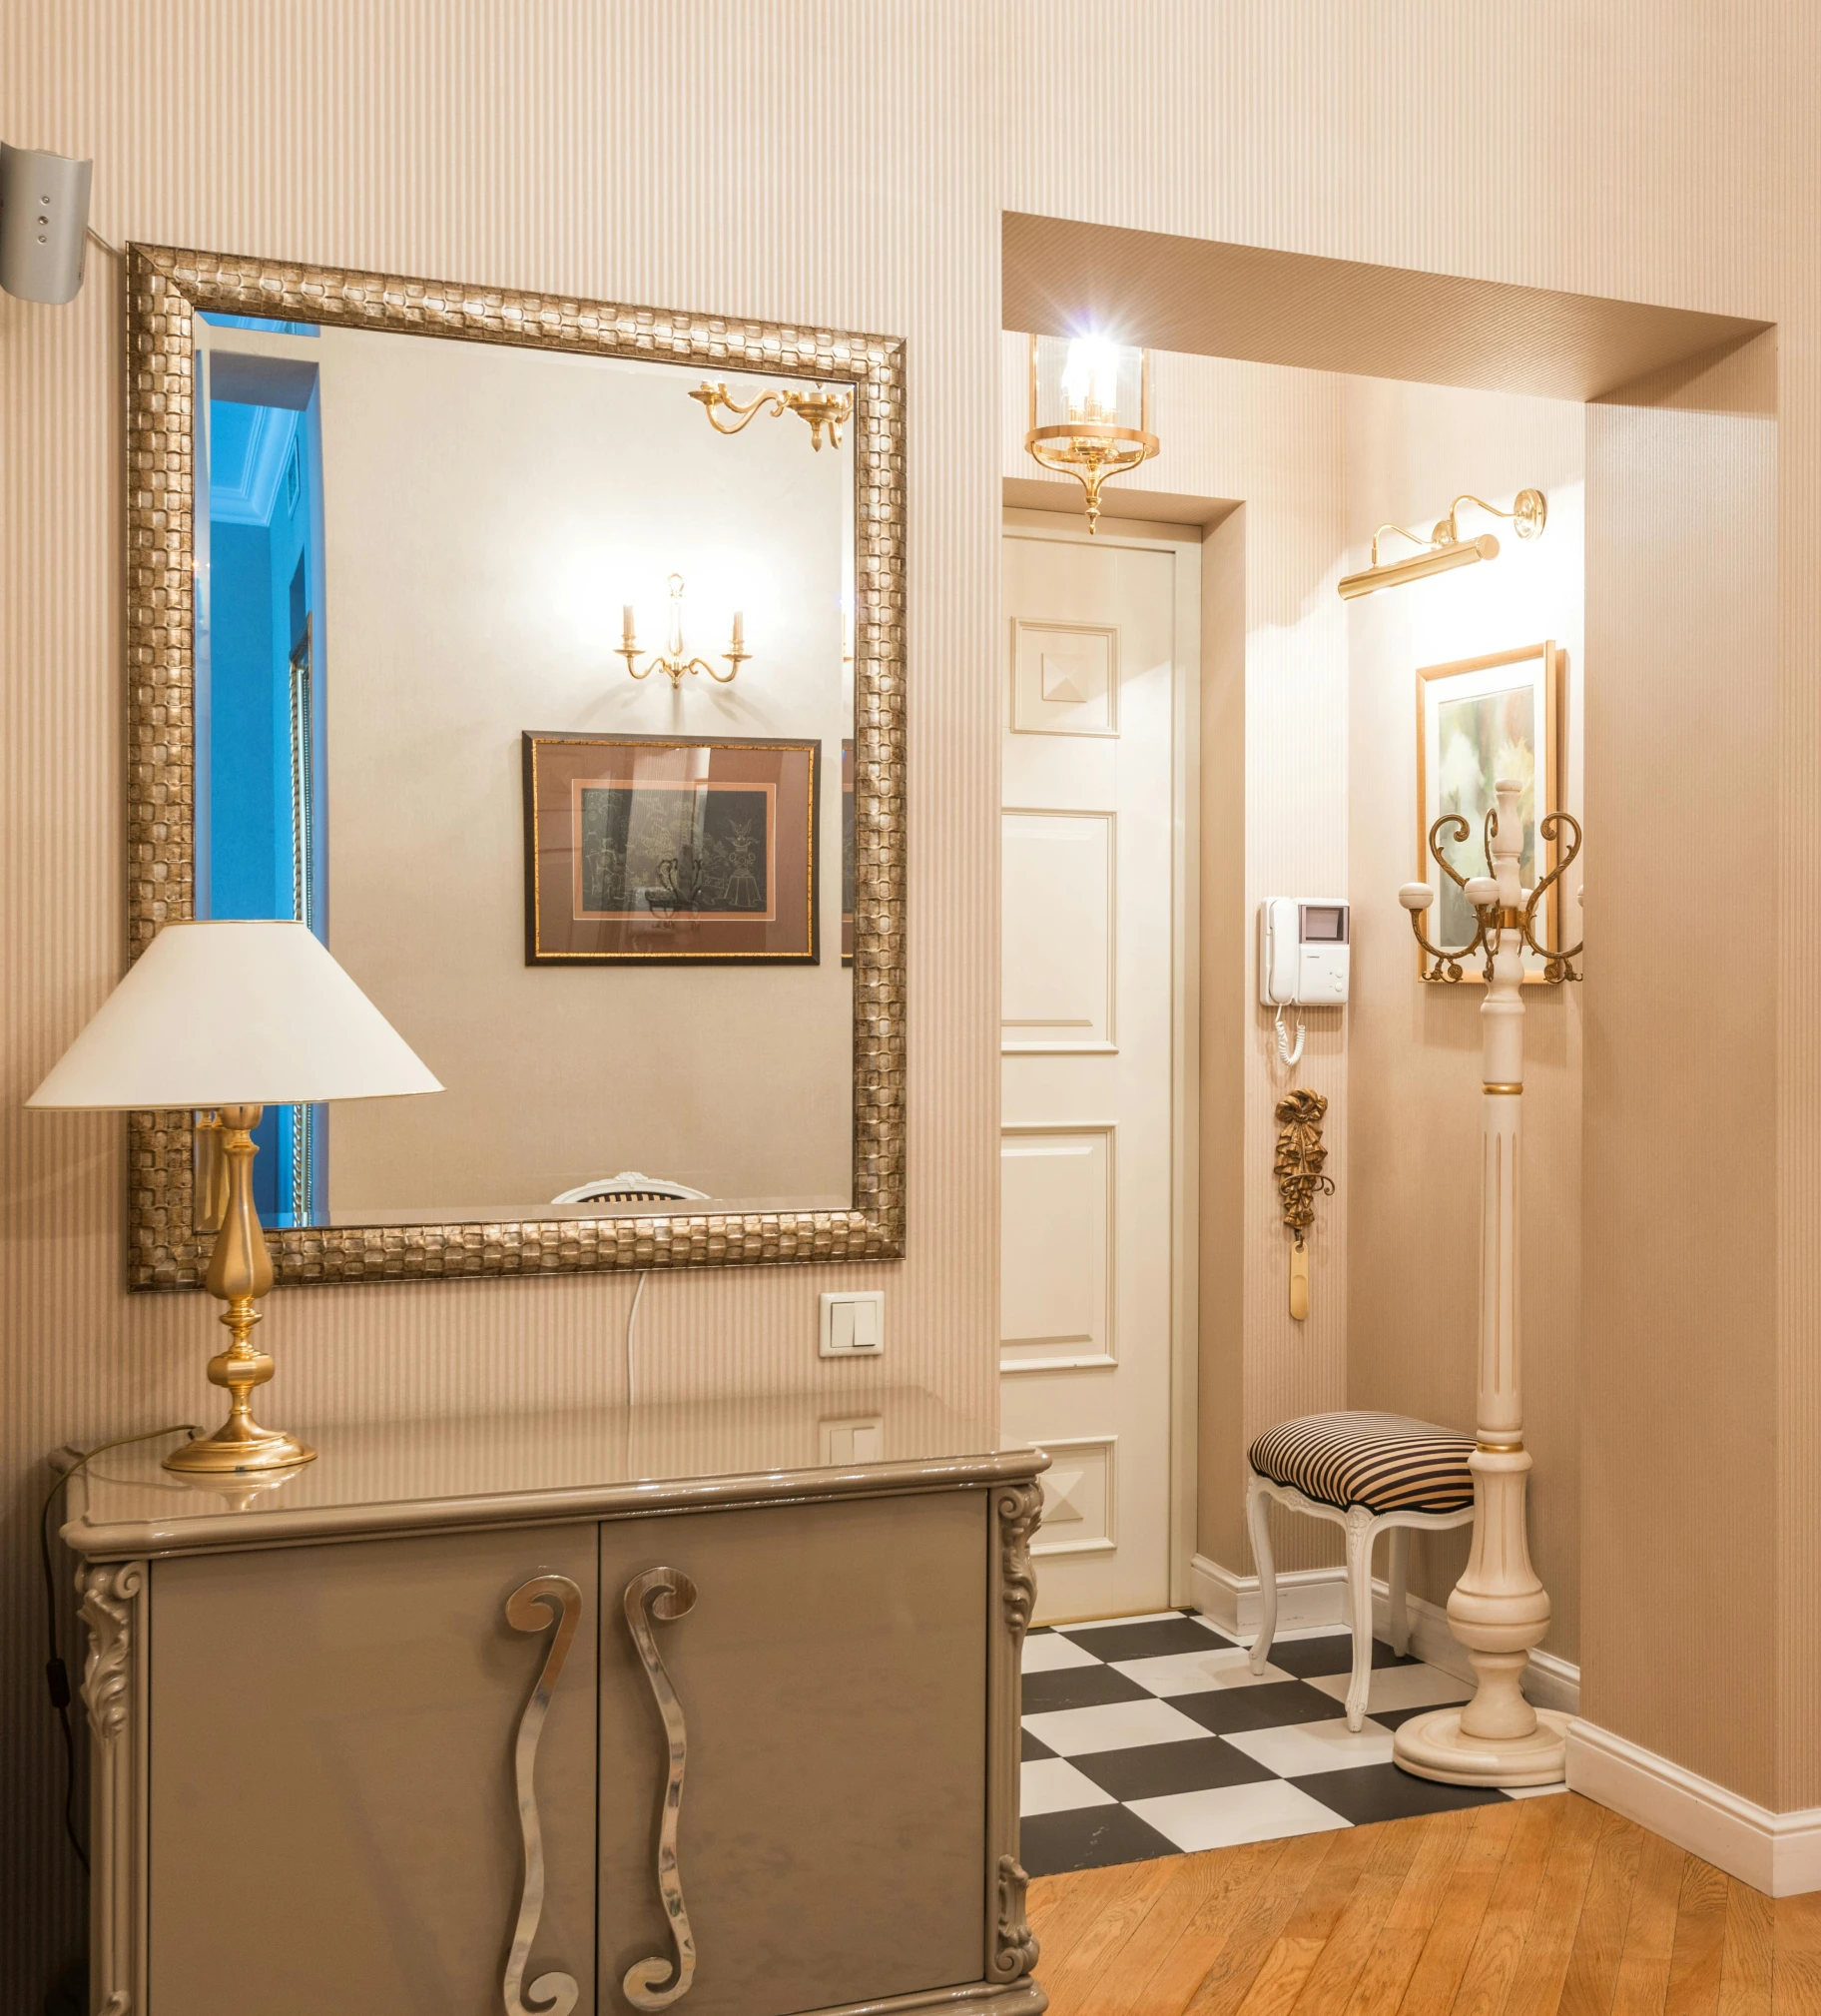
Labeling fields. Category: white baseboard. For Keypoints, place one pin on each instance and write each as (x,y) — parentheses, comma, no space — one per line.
(1307,1598)
(1313,1597)
(1779,1853)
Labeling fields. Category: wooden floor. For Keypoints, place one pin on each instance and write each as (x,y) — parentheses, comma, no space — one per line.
(1516,1909)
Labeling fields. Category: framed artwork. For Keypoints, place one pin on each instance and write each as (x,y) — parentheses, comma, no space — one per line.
(1479,721)
(675,850)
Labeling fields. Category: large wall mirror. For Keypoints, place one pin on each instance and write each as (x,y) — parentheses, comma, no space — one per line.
(545,658)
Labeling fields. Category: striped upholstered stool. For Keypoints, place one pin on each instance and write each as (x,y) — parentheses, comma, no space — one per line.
(1369,1473)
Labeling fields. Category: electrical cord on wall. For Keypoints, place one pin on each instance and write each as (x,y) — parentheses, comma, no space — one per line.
(632,1317)
(56,1673)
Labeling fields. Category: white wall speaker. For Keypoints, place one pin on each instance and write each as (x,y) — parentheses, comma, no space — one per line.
(44,222)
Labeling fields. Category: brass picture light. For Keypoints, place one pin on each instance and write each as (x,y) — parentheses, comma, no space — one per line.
(1445,548)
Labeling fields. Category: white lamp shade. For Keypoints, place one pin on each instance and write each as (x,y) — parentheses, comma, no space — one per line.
(234,1014)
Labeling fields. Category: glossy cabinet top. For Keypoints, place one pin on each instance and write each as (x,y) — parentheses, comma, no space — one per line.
(417,1476)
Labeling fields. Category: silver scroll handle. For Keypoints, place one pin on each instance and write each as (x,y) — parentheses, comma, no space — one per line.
(671,1595)
(531,1607)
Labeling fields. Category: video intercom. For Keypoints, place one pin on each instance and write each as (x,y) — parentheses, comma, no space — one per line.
(1303,951)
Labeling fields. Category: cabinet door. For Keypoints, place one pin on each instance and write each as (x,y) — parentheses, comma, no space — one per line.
(832,1675)
(334,1824)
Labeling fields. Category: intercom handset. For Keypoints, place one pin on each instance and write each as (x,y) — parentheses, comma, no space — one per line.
(1304,950)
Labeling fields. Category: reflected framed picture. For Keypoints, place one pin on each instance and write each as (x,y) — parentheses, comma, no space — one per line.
(1480,721)
(678,850)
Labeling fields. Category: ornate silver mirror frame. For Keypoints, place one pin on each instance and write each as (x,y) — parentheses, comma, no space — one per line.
(165,289)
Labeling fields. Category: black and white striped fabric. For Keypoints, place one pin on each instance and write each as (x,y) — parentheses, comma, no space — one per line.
(1384,1461)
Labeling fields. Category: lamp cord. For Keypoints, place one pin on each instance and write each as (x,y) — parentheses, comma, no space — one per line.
(632,1317)
(56,1673)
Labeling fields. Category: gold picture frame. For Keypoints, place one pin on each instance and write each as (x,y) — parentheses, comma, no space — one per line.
(1468,712)
(166,287)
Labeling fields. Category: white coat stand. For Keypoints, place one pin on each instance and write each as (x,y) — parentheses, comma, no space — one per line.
(1498,1609)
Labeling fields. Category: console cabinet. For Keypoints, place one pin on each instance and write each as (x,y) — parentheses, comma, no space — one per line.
(743,1742)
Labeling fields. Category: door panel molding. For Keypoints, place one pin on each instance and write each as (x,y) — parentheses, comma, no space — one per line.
(1076,1202)
(1074,894)
(1080,1496)
(1073,689)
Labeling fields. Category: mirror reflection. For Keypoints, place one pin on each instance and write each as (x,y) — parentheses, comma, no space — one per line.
(528,686)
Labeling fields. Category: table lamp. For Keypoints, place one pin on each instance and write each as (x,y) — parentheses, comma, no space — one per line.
(233,1016)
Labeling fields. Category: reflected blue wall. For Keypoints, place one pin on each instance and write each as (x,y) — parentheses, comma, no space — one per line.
(263,581)
(250,828)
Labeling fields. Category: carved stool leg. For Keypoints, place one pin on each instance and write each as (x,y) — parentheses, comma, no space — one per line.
(1359,1594)
(1399,1584)
(1258,1520)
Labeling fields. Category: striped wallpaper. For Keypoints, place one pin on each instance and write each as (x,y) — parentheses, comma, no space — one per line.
(824,158)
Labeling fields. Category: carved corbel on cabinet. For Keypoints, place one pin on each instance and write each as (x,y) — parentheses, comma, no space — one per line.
(1012,1948)
(1021,1510)
(111,1593)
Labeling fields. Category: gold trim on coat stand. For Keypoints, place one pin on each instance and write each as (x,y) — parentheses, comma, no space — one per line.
(1492,920)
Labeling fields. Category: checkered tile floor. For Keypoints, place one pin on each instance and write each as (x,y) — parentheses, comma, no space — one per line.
(1150,1736)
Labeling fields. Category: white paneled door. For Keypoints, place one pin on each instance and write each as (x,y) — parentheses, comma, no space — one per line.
(1092,1029)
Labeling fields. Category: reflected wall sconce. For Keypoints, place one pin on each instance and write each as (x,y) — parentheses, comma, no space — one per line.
(820,408)
(1090,410)
(1445,548)
(671,660)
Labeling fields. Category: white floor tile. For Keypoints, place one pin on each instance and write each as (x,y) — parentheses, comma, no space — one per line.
(1114,1725)
(1399,1686)
(1535,1792)
(1303,1748)
(1049,1653)
(1224,1817)
(1196,1672)
(1053,1786)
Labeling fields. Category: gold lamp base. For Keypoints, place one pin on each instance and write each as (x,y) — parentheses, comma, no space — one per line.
(240,1447)
(239,1272)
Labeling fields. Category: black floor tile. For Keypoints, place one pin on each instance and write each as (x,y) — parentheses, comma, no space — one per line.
(1145,1640)
(1078,1687)
(1154,1771)
(1029,1750)
(1091,1837)
(1267,1706)
(1383,1792)
(1313,1658)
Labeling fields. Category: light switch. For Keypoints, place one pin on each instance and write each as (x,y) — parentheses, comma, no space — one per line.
(854,1323)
